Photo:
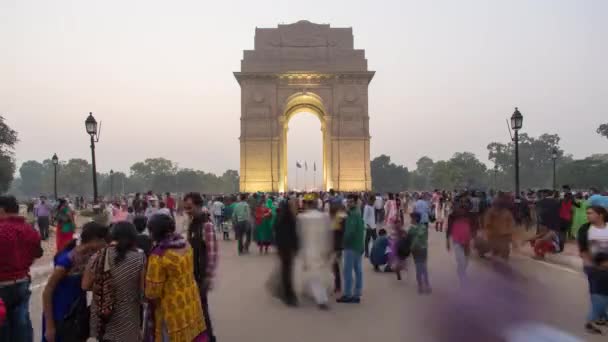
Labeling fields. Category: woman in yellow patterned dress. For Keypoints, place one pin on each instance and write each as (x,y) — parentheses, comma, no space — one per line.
(174,310)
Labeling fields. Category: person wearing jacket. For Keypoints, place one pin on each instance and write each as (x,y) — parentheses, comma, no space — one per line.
(353,251)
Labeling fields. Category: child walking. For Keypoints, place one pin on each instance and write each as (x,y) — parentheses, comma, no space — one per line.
(419,237)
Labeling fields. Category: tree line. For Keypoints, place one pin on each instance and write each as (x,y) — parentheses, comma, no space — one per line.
(75,177)
(465,170)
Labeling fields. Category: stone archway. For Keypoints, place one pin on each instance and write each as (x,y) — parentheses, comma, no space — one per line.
(304,67)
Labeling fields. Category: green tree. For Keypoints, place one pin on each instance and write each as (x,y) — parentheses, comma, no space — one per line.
(442,176)
(424,167)
(535,162)
(8,139)
(387,176)
(230,179)
(32,175)
(603,130)
(468,171)
(584,173)
(75,178)
(463,170)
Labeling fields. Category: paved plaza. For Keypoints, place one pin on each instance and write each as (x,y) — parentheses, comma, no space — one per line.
(243,310)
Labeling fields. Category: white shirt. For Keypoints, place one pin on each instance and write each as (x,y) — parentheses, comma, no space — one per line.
(598,240)
(369,216)
(379,203)
(217,208)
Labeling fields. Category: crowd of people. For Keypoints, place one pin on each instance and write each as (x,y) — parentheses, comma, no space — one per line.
(150,278)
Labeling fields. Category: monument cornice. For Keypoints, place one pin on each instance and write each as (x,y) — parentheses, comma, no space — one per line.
(300,76)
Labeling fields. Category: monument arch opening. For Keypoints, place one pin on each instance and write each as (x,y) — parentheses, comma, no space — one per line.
(312,68)
(304,146)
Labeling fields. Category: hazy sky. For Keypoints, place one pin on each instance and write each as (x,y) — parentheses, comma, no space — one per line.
(158,74)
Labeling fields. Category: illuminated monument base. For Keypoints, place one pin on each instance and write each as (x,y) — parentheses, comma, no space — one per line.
(304,67)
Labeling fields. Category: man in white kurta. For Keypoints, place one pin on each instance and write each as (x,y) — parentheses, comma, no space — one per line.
(315,235)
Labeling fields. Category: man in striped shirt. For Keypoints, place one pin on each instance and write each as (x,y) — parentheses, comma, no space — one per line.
(201,236)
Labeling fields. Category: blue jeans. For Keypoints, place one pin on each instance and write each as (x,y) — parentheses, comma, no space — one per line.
(352,263)
(422,274)
(599,305)
(18,326)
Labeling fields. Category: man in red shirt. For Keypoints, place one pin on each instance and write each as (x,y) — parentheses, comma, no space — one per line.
(19,247)
(170,202)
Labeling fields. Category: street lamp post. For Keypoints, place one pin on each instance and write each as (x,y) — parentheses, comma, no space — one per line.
(554,157)
(111,184)
(55,160)
(516,123)
(91,126)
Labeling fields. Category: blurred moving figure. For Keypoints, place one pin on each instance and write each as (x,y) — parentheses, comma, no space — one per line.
(287,243)
(315,232)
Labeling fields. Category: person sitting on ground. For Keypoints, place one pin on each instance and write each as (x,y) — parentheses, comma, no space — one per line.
(379,254)
(546,241)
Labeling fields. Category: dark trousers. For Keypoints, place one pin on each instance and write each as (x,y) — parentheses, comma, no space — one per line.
(43,226)
(287,258)
(379,215)
(564,226)
(243,232)
(207,315)
(18,326)
(370,234)
(336,270)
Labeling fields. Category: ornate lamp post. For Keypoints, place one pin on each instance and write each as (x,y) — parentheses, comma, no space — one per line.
(554,157)
(91,126)
(516,123)
(111,184)
(55,160)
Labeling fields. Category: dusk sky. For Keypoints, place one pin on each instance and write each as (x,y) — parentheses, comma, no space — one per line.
(158,75)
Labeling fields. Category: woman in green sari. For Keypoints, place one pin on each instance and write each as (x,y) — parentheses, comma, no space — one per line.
(579,218)
(265,215)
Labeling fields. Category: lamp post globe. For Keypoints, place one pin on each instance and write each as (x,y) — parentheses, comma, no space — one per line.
(111,185)
(90,124)
(554,154)
(517,122)
(55,160)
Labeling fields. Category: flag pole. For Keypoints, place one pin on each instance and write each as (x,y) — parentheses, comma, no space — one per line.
(305,176)
(314,176)
(296,188)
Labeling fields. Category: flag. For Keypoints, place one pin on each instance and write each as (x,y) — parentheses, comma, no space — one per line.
(306,166)
(314,166)
(298,165)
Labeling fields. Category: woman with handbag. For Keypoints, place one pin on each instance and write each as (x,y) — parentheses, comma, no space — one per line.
(116,276)
(63,297)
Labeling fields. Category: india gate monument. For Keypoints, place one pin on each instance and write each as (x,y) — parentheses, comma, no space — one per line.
(312,68)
